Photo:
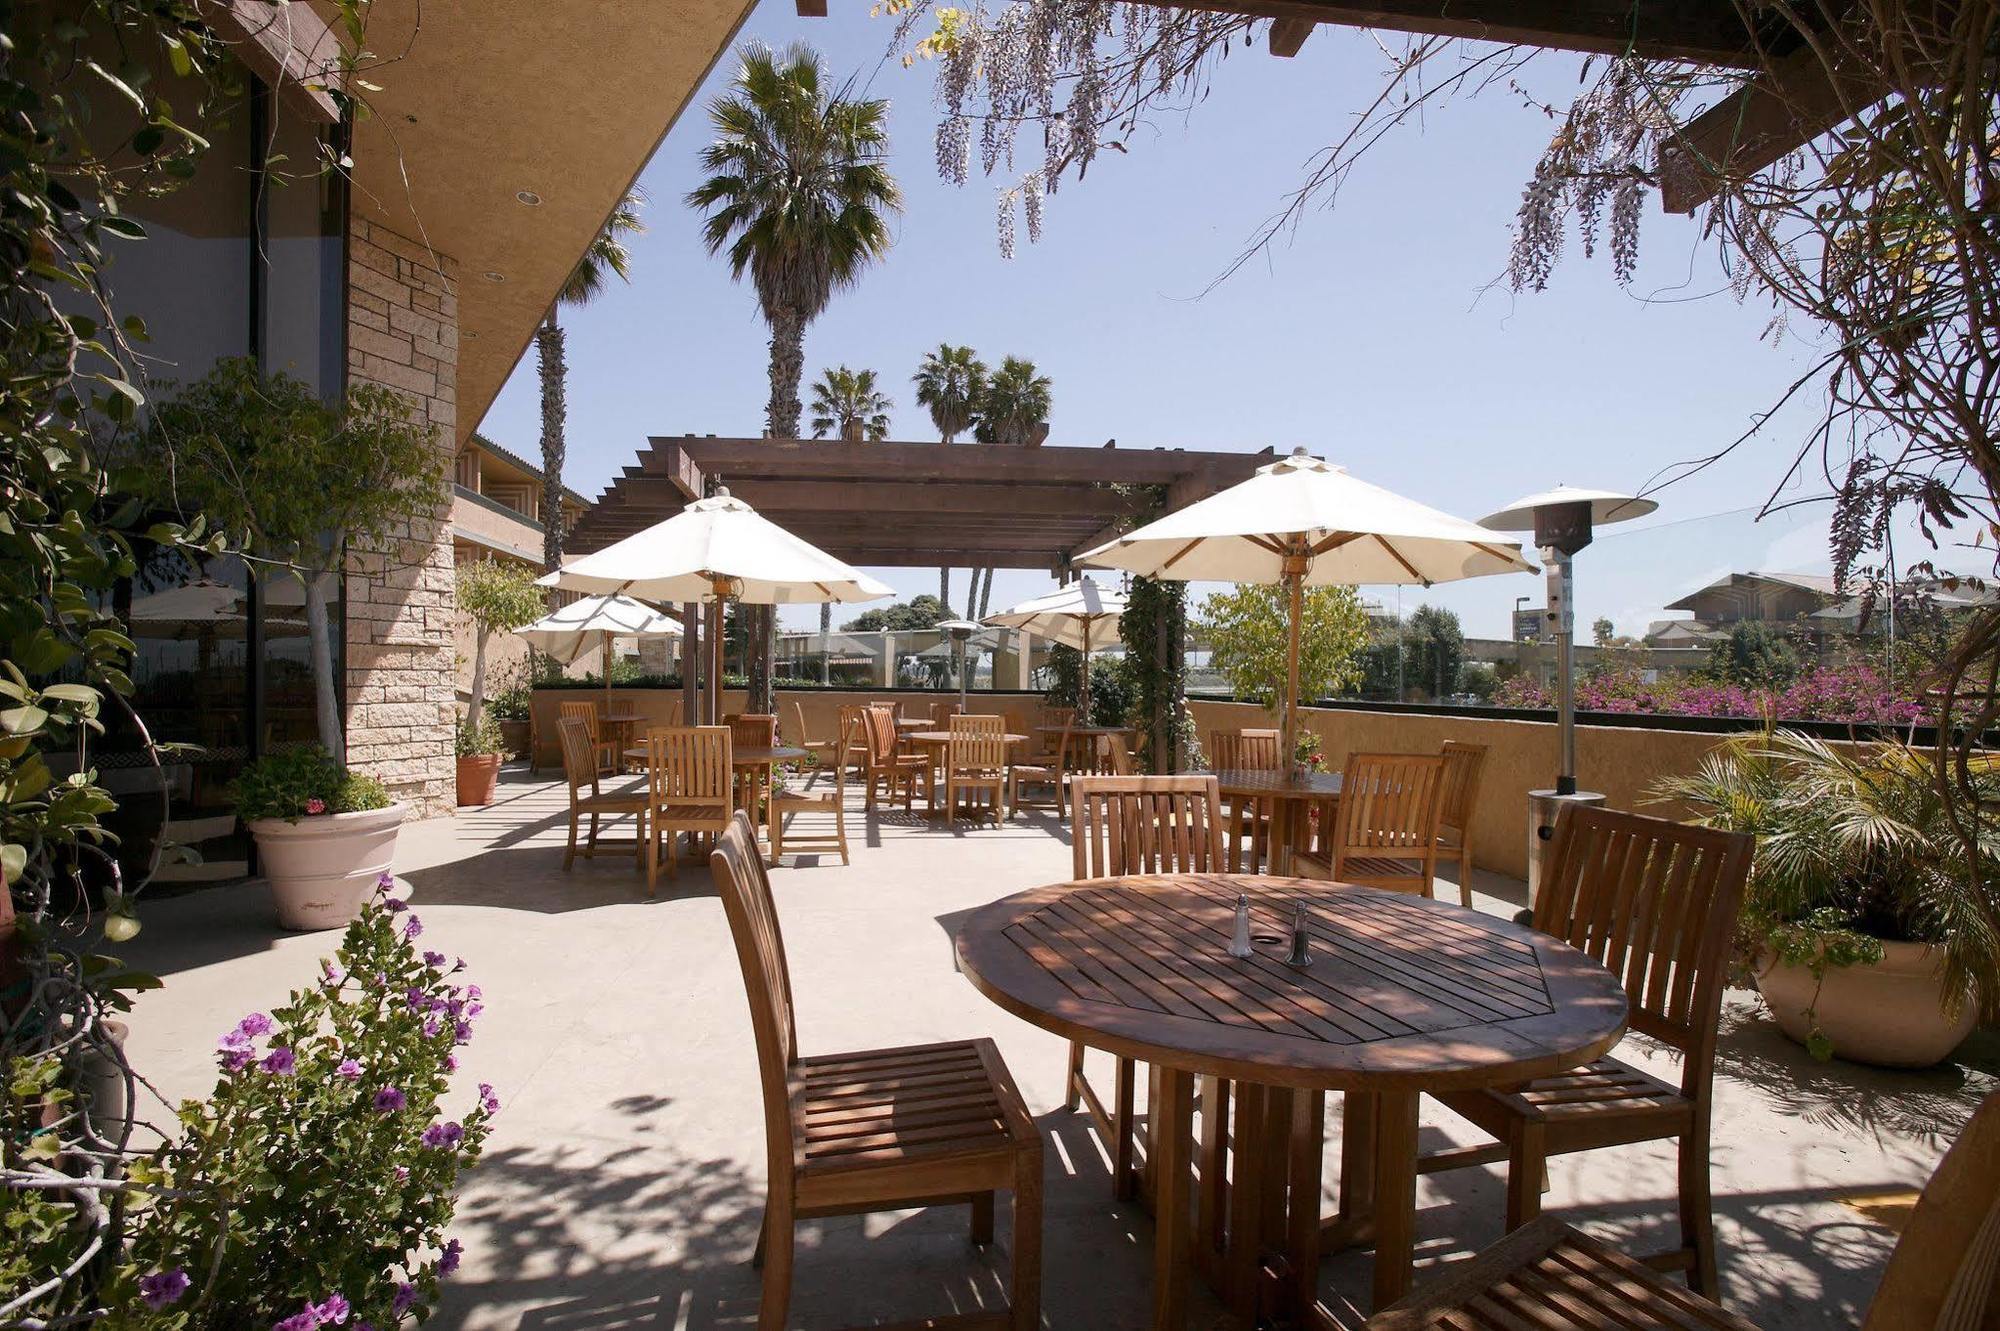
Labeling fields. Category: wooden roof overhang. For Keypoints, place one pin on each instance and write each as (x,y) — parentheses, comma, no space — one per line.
(914,505)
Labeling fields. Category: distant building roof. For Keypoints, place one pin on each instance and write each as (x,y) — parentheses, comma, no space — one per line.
(514,459)
(1820,584)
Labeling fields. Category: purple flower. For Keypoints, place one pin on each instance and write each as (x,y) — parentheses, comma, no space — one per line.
(402,1173)
(443,1136)
(280,1062)
(334,1309)
(257,1023)
(389,1100)
(463,1032)
(406,1294)
(163,1287)
(305,1319)
(472,992)
(416,998)
(433,958)
(432,1026)
(393,905)
(448,1260)
(451,1062)
(235,1060)
(348,1069)
(412,927)
(331,973)
(385,882)
(487,1100)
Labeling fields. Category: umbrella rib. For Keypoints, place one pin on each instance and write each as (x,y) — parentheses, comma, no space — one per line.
(1335,541)
(1270,543)
(1397,556)
(1497,553)
(1183,550)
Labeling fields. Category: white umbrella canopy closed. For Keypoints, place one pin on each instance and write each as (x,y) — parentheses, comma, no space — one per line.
(1305,522)
(1082,615)
(577,627)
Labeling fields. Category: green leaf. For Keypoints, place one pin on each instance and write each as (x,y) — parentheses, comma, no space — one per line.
(24,720)
(13,863)
(122,226)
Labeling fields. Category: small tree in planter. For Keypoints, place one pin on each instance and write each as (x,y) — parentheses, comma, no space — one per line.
(296,479)
(500,598)
(1247,627)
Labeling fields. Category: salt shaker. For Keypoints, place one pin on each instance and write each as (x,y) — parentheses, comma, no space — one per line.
(1239,942)
(1301,937)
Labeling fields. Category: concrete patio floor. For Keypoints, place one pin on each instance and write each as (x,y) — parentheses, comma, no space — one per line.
(623,1182)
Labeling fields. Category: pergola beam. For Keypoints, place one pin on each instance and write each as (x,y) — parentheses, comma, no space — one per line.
(1288,35)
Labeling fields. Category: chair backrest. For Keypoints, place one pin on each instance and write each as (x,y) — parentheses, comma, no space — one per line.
(585,712)
(853,728)
(1243,750)
(976,723)
(737,866)
(1144,824)
(1114,756)
(1388,804)
(800,734)
(1462,766)
(689,765)
(1945,1272)
(579,758)
(975,751)
(880,733)
(1655,901)
(674,712)
(753,730)
(1056,716)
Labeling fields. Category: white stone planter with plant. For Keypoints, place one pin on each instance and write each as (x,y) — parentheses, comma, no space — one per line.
(1867,924)
(325,836)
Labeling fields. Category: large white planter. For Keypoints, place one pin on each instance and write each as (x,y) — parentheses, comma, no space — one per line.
(322,868)
(1887,1014)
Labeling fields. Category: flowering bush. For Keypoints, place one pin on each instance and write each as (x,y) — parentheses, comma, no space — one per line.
(302,782)
(1853,692)
(313,1187)
(1308,753)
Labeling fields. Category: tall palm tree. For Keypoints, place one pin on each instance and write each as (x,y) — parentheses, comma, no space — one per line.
(847,403)
(1016,404)
(950,383)
(798,193)
(606,258)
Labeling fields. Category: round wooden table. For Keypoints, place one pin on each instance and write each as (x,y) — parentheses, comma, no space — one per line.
(1402,995)
(1287,797)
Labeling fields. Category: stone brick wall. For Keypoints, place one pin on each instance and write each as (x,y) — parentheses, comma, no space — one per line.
(402,332)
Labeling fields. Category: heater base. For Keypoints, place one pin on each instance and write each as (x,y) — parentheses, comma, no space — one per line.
(1544,807)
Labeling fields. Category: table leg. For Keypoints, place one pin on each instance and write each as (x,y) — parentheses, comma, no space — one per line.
(1282,836)
(1241,1262)
(1171,1221)
(1353,1224)
(1395,1194)
(1307,1154)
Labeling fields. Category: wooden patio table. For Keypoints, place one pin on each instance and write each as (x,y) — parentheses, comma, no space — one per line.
(1289,796)
(938,739)
(760,760)
(1403,995)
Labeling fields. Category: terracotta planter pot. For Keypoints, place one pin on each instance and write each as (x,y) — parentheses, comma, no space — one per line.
(323,868)
(514,737)
(1886,1015)
(477,775)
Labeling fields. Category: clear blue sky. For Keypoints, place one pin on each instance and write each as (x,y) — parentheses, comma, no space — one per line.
(1366,338)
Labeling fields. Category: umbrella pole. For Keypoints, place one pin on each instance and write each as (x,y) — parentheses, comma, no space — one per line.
(1083,694)
(1295,599)
(712,708)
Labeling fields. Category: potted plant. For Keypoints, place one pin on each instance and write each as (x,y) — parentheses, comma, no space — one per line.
(325,835)
(1867,924)
(478,746)
(511,709)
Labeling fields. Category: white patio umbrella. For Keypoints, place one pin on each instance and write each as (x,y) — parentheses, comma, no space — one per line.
(1082,615)
(575,628)
(715,549)
(1305,522)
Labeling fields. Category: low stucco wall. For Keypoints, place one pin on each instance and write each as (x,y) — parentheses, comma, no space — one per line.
(1621,762)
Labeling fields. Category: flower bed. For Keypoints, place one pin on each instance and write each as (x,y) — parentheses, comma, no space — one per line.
(1854,693)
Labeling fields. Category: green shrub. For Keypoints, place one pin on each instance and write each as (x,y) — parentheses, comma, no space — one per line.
(302,782)
(476,739)
(358,794)
(511,703)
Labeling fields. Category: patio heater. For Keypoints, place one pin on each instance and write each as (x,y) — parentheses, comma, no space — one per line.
(1563,521)
(961,631)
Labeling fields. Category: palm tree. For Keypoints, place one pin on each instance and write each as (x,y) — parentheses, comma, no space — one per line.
(1016,404)
(950,383)
(606,258)
(847,403)
(798,192)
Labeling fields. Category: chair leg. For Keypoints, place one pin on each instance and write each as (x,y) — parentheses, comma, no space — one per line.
(1070,1096)
(1465,877)
(840,827)
(1025,1297)
(569,853)
(982,1218)
(1527,1157)
(777,1295)
(673,853)
(590,842)
(1697,1213)
(651,837)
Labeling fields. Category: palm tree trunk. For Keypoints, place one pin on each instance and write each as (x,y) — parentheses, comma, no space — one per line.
(944,589)
(549,339)
(825,650)
(781,421)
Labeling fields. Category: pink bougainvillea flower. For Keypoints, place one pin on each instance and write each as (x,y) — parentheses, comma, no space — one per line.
(163,1287)
(348,1069)
(315,806)
(334,1309)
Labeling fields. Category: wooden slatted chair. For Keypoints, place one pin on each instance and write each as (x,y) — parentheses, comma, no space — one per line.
(1050,746)
(1135,825)
(888,765)
(785,800)
(752,730)
(688,789)
(1114,756)
(1050,769)
(1656,902)
(1463,764)
(1944,1274)
(975,723)
(581,770)
(605,753)
(853,750)
(975,762)
(824,750)
(881,1130)
(943,712)
(1384,833)
(1247,817)
(1243,750)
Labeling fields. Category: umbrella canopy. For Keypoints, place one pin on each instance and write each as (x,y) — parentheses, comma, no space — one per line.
(583,624)
(718,539)
(1305,522)
(1082,616)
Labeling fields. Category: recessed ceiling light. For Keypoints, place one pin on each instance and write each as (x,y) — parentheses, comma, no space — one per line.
(529,197)
(496,277)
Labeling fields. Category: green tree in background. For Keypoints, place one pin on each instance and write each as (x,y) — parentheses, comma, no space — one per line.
(1433,650)
(1755,656)
(951,385)
(1246,629)
(919,612)
(847,403)
(496,597)
(1016,404)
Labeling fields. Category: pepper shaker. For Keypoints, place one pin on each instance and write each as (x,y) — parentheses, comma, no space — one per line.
(1239,942)
(1301,937)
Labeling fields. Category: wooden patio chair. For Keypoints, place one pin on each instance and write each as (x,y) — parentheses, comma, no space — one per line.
(688,790)
(1050,746)
(581,770)
(888,765)
(1114,756)
(1050,769)
(605,753)
(1135,825)
(975,723)
(1247,818)
(975,762)
(1655,901)
(1463,764)
(1244,750)
(824,750)
(853,750)
(785,800)
(943,712)
(1944,1274)
(1384,832)
(751,730)
(880,1130)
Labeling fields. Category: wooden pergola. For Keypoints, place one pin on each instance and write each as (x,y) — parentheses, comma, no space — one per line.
(916,505)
